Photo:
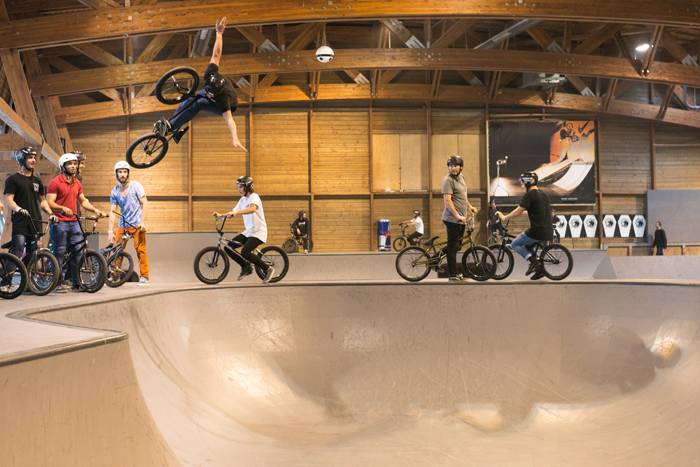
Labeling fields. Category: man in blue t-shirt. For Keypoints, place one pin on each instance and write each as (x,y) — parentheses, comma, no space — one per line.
(218,97)
(130,197)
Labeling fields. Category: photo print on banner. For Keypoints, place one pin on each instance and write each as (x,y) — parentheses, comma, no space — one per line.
(561,153)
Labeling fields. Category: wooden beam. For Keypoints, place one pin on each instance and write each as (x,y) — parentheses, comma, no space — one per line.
(597,39)
(665,103)
(12,142)
(55,102)
(470,77)
(258,39)
(624,86)
(451,35)
(609,94)
(367,59)
(63,65)
(23,129)
(100,4)
(281,39)
(298,44)
(19,89)
(43,105)
(404,35)
(177,52)
(651,51)
(622,47)
(98,54)
(194,15)
(153,48)
(143,2)
(676,49)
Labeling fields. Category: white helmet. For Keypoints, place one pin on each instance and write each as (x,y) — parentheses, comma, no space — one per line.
(66,158)
(121,165)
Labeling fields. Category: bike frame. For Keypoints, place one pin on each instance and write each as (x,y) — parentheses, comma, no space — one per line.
(119,246)
(83,243)
(222,238)
(437,247)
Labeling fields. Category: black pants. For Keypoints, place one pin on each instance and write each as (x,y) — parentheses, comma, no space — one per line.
(20,243)
(249,245)
(454,233)
(304,240)
(413,238)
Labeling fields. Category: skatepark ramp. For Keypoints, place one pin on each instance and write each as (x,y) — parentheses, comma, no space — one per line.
(393,374)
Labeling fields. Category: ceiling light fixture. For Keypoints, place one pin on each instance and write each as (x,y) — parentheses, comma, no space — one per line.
(642,48)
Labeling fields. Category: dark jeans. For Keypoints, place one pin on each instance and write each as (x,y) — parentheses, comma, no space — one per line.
(454,233)
(413,238)
(659,251)
(304,240)
(62,235)
(20,243)
(249,245)
(200,104)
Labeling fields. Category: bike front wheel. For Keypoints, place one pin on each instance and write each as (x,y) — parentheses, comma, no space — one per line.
(177,85)
(290,246)
(504,261)
(92,271)
(275,257)
(399,244)
(413,264)
(12,270)
(479,263)
(119,269)
(557,261)
(147,151)
(211,265)
(43,272)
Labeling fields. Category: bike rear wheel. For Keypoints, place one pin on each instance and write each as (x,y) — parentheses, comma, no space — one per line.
(211,265)
(177,85)
(504,261)
(275,257)
(119,269)
(92,271)
(399,244)
(18,277)
(479,263)
(413,264)
(557,261)
(147,151)
(290,246)
(43,272)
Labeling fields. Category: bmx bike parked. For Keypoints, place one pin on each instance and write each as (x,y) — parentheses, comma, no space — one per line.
(174,87)
(415,263)
(293,243)
(211,265)
(120,265)
(12,269)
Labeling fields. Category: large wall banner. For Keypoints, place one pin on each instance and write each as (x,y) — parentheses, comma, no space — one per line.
(561,153)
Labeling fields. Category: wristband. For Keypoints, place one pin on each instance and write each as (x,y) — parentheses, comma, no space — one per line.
(234,213)
(219,33)
(110,231)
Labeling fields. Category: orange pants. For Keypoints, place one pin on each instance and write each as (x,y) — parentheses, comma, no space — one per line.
(139,244)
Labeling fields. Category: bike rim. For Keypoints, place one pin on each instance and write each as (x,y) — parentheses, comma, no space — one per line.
(211,266)
(411,266)
(148,150)
(476,263)
(177,86)
(556,262)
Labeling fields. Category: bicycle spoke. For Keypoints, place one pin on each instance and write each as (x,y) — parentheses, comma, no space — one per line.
(211,266)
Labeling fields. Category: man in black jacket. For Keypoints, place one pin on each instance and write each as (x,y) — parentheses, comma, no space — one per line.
(302,228)
(659,240)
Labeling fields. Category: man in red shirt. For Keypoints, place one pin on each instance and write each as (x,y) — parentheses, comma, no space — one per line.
(63,194)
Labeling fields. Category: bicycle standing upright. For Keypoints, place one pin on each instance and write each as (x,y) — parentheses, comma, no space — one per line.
(292,244)
(120,265)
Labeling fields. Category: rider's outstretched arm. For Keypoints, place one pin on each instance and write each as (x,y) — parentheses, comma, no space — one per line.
(216,53)
(232,127)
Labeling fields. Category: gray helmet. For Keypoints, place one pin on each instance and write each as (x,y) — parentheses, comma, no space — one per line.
(529,179)
(455,160)
(21,155)
(80,155)
(416,212)
(245,180)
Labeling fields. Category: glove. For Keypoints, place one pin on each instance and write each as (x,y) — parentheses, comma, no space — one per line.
(53,219)
(24,212)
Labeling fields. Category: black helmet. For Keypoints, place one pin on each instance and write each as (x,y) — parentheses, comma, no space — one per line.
(416,212)
(529,179)
(80,155)
(215,84)
(455,160)
(245,180)
(21,155)
(301,213)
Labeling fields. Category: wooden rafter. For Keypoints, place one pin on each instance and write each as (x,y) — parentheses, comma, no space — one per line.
(98,54)
(23,129)
(100,4)
(651,51)
(609,94)
(665,103)
(153,48)
(622,47)
(281,38)
(64,66)
(43,105)
(19,89)
(596,40)
(258,39)
(177,52)
(298,44)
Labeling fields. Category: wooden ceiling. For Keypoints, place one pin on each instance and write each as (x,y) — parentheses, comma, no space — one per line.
(92,59)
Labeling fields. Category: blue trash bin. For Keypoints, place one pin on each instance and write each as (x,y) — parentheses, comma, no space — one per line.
(384,235)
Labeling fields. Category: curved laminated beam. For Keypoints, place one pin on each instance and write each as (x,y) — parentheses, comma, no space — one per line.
(369,59)
(193,15)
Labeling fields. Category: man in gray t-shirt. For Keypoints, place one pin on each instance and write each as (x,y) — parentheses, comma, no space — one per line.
(454,193)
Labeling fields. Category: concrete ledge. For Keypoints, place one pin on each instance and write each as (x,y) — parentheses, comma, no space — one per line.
(649,267)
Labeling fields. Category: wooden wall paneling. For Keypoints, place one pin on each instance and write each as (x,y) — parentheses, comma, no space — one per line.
(413,150)
(342,223)
(340,152)
(624,155)
(386,162)
(164,215)
(399,122)
(216,164)
(458,122)
(169,176)
(677,158)
(203,207)
(281,151)
(399,209)
(280,212)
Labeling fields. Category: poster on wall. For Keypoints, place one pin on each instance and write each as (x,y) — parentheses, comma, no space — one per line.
(561,153)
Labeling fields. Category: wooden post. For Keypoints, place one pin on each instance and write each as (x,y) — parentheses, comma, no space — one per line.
(311,147)
(372,235)
(250,138)
(600,184)
(429,216)
(190,204)
(652,150)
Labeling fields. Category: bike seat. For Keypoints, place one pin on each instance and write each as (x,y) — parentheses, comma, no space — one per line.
(430,241)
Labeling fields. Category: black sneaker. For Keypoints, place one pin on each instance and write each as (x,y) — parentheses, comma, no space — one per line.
(538,275)
(179,134)
(246,271)
(162,127)
(534,265)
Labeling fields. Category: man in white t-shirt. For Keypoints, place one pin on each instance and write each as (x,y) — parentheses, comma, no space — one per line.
(255,233)
(418,222)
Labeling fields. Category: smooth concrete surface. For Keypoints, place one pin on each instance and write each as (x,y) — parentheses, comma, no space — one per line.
(576,373)
(649,267)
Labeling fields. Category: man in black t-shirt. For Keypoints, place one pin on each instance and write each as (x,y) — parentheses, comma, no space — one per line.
(218,97)
(24,194)
(536,203)
(302,228)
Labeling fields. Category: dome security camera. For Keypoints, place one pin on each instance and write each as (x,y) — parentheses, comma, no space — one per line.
(324,54)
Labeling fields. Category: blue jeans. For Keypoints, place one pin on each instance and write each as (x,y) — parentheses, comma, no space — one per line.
(191,111)
(19,244)
(659,251)
(62,235)
(521,245)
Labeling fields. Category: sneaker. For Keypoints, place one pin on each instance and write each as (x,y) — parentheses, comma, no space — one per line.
(538,275)
(306,251)
(457,278)
(269,275)
(534,265)
(76,288)
(5,289)
(246,271)
(143,281)
(61,288)
(161,127)
(179,134)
